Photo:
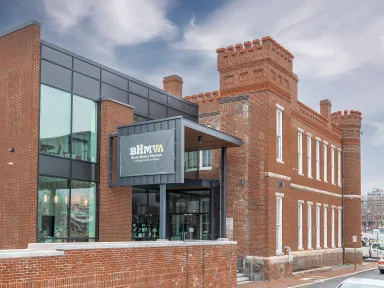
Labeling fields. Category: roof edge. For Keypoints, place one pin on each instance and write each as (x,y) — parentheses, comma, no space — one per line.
(19,27)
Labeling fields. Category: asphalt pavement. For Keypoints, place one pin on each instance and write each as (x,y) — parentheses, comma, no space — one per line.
(374,274)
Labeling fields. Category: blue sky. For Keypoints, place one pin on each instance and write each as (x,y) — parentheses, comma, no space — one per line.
(338,46)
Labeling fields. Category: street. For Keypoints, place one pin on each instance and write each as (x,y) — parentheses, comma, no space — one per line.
(374,274)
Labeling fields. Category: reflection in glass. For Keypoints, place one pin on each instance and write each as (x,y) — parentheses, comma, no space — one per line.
(53,203)
(84,129)
(55,121)
(83,209)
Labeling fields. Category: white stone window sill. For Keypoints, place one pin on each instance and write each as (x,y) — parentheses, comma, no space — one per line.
(205,168)
(339,246)
(318,179)
(280,161)
(333,247)
(333,183)
(301,174)
(310,177)
(310,249)
(300,249)
(191,170)
(318,248)
(325,247)
(279,253)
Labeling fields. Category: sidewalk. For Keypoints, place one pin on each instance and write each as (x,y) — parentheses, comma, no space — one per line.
(309,278)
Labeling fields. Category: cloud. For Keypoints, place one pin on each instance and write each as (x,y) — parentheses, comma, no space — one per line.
(327,39)
(377,138)
(100,26)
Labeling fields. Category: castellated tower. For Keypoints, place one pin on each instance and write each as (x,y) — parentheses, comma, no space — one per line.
(350,123)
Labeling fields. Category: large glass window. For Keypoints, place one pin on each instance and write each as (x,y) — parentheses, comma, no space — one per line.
(62,201)
(53,203)
(84,129)
(145,214)
(83,210)
(205,159)
(55,122)
(192,160)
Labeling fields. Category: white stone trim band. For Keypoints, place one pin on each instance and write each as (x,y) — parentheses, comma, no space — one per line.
(352,196)
(325,205)
(317,138)
(314,190)
(333,146)
(309,134)
(309,203)
(300,130)
(300,201)
(274,175)
(325,142)
(279,195)
(318,204)
(339,207)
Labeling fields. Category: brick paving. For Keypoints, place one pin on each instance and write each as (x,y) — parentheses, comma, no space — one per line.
(294,281)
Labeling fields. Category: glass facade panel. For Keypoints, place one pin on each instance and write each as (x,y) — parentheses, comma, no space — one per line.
(55,122)
(83,210)
(62,201)
(84,129)
(53,204)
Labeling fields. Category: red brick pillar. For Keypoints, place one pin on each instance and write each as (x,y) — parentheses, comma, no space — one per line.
(19,126)
(115,217)
(350,123)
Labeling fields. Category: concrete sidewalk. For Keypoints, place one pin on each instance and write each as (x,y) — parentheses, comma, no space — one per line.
(337,271)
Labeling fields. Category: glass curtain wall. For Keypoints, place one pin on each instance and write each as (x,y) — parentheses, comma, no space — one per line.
(58,129)
(66,210)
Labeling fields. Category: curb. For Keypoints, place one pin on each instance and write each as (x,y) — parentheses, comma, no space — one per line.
(325,280)
(312,271)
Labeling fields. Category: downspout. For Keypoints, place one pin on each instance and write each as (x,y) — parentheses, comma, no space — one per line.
(342,197)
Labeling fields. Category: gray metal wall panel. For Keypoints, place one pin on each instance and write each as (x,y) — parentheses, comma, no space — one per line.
(153,127)
(158,97)
(86,68)
(84,171)
(157,111)
(114,80)
(173,112)
(108,91)
(56,56)
(85,86)
(138,89)
(141,104)
(54,166)
(175,103)
(56,76)
(190,109)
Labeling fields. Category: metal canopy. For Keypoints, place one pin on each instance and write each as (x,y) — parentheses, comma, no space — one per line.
(209,137)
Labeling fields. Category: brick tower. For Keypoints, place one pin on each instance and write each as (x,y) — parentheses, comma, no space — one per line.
(350,123)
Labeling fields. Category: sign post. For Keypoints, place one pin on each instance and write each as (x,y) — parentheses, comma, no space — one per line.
(354,240)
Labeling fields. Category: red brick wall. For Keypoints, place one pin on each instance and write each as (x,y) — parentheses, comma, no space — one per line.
(173,84)
(19,117)
(175,266)
(115,219)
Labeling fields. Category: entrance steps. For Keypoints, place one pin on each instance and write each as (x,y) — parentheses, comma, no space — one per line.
(241,278)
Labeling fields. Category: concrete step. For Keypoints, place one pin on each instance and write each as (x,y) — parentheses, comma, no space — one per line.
(244,282)
(242,279)
(240,274)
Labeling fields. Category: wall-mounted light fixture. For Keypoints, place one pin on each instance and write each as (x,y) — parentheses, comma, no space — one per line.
(11,150)
(281,184)
(200,139)
(242,182)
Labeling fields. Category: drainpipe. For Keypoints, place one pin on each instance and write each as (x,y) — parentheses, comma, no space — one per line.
(342,197)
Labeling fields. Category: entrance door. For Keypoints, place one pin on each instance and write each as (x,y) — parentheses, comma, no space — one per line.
(185,227)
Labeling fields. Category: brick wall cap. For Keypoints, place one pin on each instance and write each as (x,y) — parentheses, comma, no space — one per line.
(117,245)
(19,27)
(27,253)
(117,102)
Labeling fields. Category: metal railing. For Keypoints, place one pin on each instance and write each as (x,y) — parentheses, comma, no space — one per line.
(248,265)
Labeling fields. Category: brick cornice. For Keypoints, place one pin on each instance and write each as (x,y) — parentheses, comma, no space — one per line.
(315,126)
(210,114)
(265,86)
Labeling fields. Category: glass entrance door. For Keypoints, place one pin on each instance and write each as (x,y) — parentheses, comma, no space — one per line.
(185,227)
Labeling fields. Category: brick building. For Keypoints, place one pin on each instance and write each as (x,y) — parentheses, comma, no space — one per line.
(284,184)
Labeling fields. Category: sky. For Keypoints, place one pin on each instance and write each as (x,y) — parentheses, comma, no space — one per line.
(338,46)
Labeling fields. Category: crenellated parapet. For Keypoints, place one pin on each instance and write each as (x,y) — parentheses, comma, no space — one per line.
(203,97)
(245,54)
(312,115)
(350,123)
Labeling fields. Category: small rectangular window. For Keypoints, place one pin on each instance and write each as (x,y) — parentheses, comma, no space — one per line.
(333,165)
(333,227)
(279,134)
(205,159)
(309,226)
(339,225)
(300,153)
(325,163)
(325,227)
(279,228)
(300,225)
(309,154)
(317,226)
(339,167)
(318,159)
